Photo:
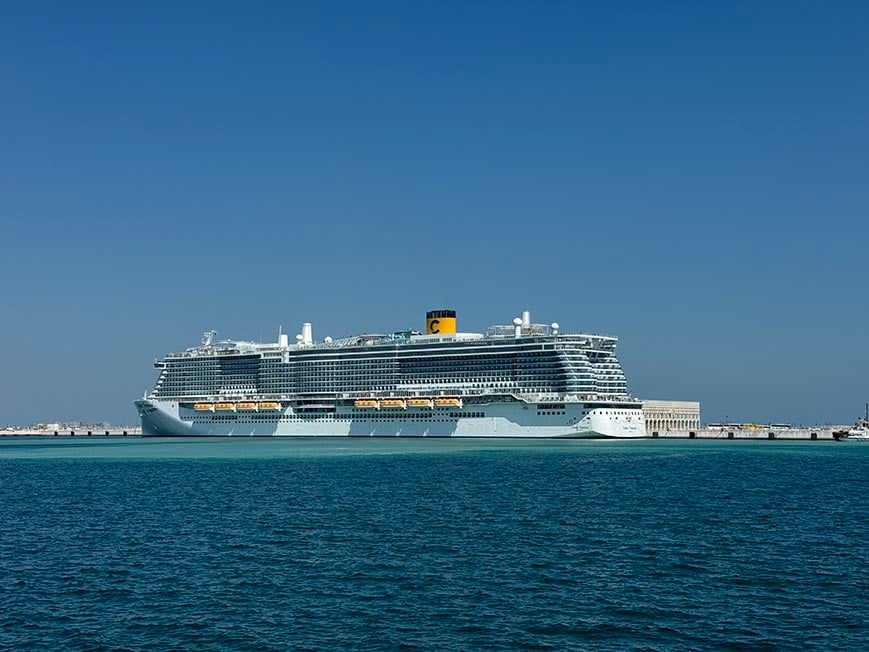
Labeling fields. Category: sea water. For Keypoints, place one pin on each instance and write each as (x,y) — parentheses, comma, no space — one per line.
(275,544)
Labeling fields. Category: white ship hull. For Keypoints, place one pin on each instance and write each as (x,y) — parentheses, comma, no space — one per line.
(858,434)
(498,420)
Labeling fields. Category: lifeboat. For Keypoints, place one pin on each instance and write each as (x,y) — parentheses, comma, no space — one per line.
(367,403)
(201,407)
(393,403)
(448,401)
(225,406)
(419,402)
(245,406)
(269,405)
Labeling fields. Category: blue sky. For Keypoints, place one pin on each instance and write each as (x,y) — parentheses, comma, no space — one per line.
(689,176)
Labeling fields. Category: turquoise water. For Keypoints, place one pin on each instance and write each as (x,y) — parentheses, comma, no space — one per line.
(136,544)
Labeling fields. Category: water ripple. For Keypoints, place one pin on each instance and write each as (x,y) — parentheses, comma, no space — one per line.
(651,547)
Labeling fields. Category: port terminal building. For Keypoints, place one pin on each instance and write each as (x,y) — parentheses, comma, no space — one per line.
(662,416)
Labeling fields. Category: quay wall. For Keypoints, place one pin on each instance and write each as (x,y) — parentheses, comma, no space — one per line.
(74,432)
(792,434)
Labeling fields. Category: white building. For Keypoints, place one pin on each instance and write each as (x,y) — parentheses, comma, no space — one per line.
(662,416)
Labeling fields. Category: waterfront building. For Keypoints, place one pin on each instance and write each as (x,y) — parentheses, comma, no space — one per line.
(661,416)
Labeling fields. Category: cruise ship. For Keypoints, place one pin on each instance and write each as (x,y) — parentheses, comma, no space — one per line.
(517,380)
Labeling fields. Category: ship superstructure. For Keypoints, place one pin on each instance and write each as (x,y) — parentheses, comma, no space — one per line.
(517,380)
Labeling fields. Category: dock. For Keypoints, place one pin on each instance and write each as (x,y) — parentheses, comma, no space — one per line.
(72,432)
(784,434)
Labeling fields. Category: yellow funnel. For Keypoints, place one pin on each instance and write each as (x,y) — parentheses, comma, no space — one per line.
(440,322)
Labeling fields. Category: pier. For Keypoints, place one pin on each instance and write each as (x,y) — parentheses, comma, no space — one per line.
(783,434)
(792,434)
(133,431)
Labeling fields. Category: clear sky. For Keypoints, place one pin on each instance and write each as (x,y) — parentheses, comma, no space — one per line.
(692,177)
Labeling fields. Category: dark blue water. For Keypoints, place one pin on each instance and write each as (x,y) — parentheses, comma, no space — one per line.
(440,545)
